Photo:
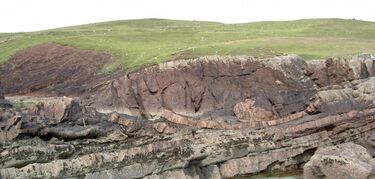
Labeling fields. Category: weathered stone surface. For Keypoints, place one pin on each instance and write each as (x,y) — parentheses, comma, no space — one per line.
(10,124)
(1,91)
(253,164)
(179,119)
(365,92)
(247,111)
(363,66)
(360,96)
(368,141)
(346,160)
(51,117)
(336,71)
(339,71)
(145,154)
(209,85)
(3,102)
(162,127)
(193,172)
(317,71)
(190,119)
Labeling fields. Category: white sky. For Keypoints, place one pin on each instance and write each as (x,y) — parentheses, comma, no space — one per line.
(32,15)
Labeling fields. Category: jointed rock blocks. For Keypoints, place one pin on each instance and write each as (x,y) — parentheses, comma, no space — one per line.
(208,85)
(211,117)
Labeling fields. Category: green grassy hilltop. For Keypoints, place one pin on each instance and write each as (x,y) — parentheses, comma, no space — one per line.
(135,43)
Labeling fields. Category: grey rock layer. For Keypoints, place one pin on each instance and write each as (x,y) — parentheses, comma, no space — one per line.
(347,160)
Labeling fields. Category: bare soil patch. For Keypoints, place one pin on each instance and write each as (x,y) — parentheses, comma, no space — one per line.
(53,69)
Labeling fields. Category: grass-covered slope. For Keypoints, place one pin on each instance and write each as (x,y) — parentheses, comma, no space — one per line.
(135,43)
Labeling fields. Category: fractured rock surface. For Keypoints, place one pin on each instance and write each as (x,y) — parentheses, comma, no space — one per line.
(346,160)
(210,117)
(209,87)
(3,103)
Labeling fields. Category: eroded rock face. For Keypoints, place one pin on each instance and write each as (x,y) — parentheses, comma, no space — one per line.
(363,66)
(212,117)
(52,117)
(206,152)
(337,71)
(1,91)
(248,111)
(209,85)
(10,124)
(356,96)
(3,103)
(346,160)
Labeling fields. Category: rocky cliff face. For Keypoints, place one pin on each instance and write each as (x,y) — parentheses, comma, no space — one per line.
(210,87)
(211,117)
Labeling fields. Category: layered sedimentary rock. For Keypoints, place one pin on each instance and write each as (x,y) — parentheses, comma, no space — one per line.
(51,117)
(121,154)
(211,117)
(209,87)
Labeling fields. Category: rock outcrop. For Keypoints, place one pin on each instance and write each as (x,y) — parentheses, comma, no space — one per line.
(338,71)
(1,92)
(211,117)
(142,153)
(248,111)
(346,160)
(209,87)
(51,117)
(3,102)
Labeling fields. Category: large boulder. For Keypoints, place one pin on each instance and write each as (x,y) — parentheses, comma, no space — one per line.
(347,160)
(52,110)
(56,110)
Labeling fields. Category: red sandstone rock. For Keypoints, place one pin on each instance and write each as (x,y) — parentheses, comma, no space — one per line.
(162,127)
(247,112)
(78,141)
